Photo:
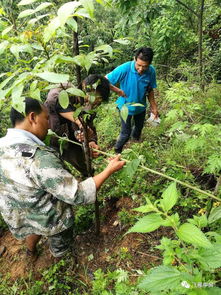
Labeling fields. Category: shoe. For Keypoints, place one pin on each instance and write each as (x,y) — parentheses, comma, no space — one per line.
(117,151)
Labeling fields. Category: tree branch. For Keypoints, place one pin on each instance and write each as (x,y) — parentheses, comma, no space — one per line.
(187,7)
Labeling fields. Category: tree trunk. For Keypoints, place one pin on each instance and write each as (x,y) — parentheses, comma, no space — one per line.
(200,36)
(76,52)
(200,45)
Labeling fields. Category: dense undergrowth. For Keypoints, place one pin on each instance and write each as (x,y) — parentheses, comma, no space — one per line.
(186,146)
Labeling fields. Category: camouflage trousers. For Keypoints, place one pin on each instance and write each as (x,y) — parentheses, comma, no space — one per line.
(61,243)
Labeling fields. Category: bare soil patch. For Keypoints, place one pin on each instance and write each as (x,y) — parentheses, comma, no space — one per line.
(110,250)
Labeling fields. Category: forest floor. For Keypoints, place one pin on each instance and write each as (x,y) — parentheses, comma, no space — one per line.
(110,250)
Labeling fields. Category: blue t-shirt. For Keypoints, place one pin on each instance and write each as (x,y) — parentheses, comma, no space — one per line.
(134,85)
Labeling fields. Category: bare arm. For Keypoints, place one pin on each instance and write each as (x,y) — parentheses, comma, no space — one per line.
(116,90)
(114,165)
(70,116)
(153,104)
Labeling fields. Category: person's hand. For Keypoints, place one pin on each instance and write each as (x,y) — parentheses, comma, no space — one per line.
(155,112)
(120,92)
(115,164)
(92,145)
(79,135)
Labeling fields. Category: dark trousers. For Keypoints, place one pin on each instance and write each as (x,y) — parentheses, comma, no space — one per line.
(61,243)
(74,155)
(128,130)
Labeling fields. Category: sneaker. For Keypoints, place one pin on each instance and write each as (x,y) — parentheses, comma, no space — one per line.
(117,150)
(58,254)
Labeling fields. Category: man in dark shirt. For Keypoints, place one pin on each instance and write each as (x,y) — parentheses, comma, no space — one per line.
(63,123)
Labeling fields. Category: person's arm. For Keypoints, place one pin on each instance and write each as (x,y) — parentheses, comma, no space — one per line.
(114,165)
(48,173)
(153,104)
(69,116)
(117,90)
(116,76)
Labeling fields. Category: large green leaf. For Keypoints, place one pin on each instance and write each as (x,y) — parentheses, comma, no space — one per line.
(66,59)
(82,12)
(35,94)
(26,12)
(42,6)
(53,77)
(5,82)
(130,169)
(16,49)
(80,60)
(89,6)
(124,112)
(214,215)
(19,104)
(169,197)
(146,208)
(211,257)
(71,22)
(75,91)
(161,278)
(84,60)
(123,41)
(34,20)
(105,48)
(51,28)
(89,60)
(3,46)
(147,224)
(67,10)
(17,92)
(7,30)
(189,233)
(63,99)
(29,12)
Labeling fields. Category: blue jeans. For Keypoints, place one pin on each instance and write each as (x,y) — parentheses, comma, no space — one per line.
(127,130)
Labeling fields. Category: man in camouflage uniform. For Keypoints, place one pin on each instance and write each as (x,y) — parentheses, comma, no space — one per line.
(36,191)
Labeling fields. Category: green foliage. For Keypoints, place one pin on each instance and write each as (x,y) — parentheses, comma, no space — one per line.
(215,215)
(36,53)
(41,47)
(84,216)
(189,233)
(147,224)
(162,278)
(126,217)
(193,263)
(116,282)
(169,197)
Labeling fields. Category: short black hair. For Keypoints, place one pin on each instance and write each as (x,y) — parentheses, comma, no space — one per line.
(31,105)
(103,85)
(145,54)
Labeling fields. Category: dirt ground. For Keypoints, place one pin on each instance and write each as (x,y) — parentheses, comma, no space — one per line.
(111,249)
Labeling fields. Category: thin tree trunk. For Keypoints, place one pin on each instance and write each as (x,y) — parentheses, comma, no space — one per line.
(200,36)
(76,52)
(200,45)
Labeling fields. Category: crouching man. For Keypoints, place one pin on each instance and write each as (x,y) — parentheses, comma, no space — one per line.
(37,192)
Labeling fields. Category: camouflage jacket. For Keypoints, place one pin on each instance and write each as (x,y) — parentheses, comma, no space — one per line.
(36,191)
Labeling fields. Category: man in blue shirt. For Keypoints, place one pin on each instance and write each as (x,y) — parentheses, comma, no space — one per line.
(137,80)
